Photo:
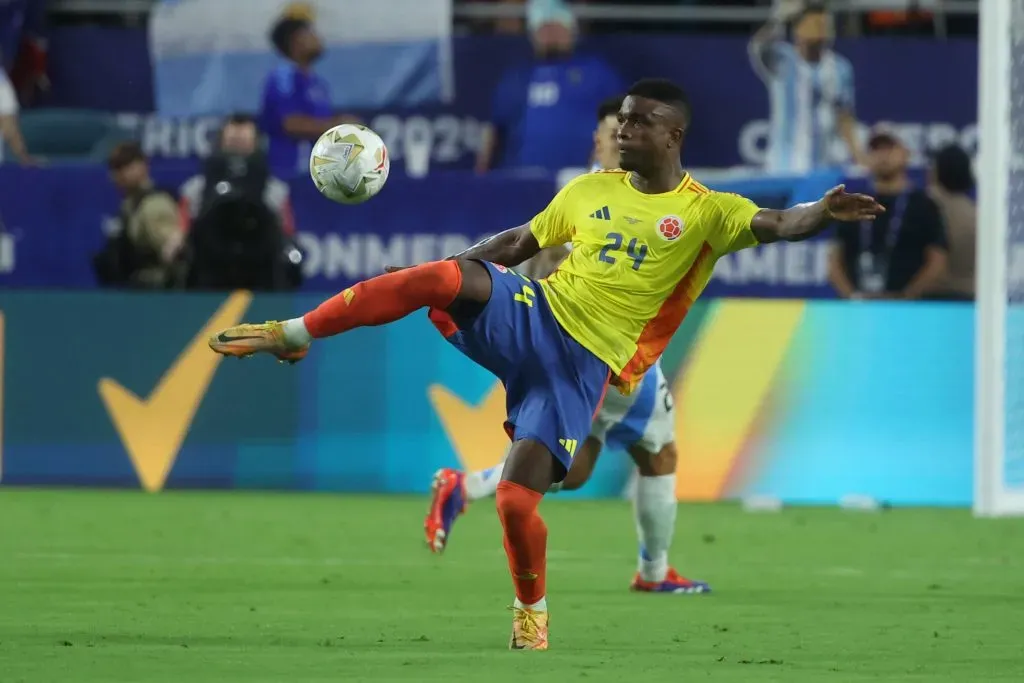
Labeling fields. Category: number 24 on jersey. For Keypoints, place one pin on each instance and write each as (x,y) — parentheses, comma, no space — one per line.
(634,250)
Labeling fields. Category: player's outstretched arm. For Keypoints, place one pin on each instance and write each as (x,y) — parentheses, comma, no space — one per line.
(807,220)
(508,248)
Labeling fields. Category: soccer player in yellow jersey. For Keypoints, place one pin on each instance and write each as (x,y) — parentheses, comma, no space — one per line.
(642,424)
(644,239)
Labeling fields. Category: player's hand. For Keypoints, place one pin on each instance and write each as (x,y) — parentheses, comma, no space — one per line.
(851,207)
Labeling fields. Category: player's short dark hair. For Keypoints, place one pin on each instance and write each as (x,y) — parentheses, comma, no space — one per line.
(664,91)
(609,107)
(953,169)
(125,153)
(282,32)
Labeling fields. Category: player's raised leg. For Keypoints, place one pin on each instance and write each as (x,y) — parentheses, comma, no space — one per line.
(376,301)
(655,510)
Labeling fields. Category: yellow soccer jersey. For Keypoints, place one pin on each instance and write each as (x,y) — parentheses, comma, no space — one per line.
(637,264)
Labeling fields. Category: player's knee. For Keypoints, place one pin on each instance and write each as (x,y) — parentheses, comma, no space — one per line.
(515,502)
(655,464)
(666,460)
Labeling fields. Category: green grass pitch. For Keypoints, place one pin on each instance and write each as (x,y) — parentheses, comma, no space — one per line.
(258,587)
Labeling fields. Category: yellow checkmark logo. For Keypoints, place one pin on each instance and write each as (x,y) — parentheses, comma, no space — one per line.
(474,431)
(152,429)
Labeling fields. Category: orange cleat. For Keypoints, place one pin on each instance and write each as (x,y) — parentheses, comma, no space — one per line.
(529,630)
(242,341)
(446,504)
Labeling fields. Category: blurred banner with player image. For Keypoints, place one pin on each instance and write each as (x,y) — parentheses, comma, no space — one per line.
(212,56)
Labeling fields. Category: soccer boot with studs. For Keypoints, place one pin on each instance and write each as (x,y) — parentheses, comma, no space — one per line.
(447,502)
(529,629)
(242,341)
(674,582)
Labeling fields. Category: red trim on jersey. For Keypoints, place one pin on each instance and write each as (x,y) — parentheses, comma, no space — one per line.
(687,182)
(659,329)
(604,392)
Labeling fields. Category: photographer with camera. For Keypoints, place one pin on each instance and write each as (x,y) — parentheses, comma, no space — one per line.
(142,251)
(238,218)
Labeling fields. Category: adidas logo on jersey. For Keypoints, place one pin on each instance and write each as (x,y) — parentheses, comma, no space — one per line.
(602,214)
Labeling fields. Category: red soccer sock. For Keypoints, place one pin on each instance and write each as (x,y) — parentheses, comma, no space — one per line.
(386,298)
(526,539)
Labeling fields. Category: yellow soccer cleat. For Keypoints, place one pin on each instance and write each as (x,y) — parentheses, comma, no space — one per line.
(242,341)
(529,630)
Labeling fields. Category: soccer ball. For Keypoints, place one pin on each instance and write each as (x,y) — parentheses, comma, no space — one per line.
(349,164)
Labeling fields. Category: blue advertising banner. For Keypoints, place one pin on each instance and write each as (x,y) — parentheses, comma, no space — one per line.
(861,398)
(56,218)
(730,102)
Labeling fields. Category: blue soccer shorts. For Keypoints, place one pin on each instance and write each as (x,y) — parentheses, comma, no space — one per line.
(553,385)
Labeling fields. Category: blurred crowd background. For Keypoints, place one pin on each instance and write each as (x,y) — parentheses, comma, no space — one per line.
(163,144)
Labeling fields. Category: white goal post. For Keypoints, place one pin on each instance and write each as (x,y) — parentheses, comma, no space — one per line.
(999,319)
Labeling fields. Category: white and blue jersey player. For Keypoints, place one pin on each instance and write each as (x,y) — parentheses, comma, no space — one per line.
(642,424)
(811,92)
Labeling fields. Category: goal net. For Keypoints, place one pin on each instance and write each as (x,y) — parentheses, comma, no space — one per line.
(999,362)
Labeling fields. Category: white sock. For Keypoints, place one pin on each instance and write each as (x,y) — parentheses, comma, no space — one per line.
(539,606)
(655,510)
(295,332)
(484,483)
(555,487)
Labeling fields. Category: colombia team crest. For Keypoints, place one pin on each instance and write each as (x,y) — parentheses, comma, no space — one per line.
(670,228)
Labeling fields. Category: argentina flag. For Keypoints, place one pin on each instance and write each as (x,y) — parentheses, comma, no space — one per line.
(210,57)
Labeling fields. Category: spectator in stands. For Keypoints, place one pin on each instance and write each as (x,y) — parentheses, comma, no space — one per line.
(142,250)
(903,253)
(10,132)
(950,184)
(542,113)
(24,47)
(811,92)
(296,107)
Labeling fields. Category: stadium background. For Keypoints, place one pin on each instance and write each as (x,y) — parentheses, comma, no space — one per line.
(301,557)
(359,416)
